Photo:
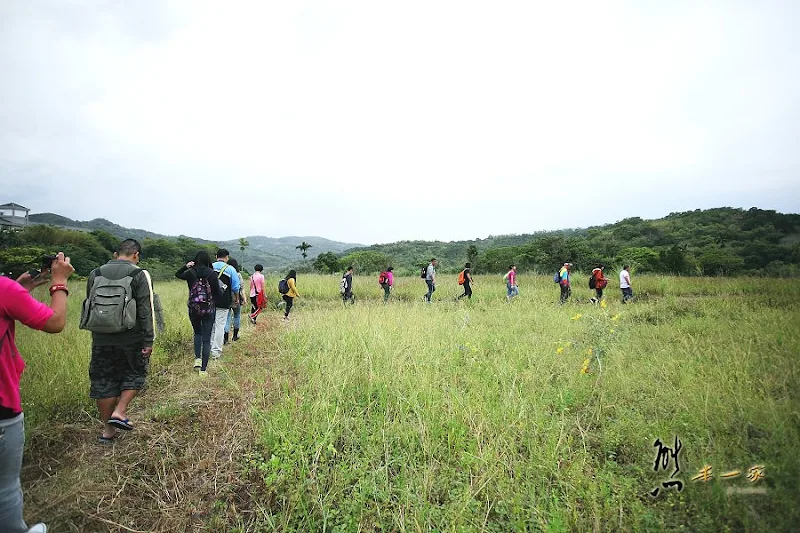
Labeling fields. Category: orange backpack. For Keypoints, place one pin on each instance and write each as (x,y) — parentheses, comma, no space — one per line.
(461,277)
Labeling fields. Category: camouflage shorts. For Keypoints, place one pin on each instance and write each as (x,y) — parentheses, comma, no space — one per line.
(114,369)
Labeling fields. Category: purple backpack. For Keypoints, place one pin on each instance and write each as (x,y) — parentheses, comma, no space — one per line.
(201,301)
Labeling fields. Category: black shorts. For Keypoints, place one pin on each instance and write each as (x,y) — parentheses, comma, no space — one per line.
(114,369)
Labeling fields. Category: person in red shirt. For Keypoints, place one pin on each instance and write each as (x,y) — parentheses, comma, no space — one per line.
(17,304)
(600,282)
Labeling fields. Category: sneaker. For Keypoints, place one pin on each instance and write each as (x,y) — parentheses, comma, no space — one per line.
(203,373)
(198,363)
(38,528)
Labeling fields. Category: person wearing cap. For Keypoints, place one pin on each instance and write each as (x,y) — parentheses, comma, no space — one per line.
(563,282)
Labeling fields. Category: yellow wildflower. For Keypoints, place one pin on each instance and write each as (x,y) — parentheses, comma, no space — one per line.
(585,367)
(568,344)
(615,317)
(589,351)
(603,304)
(577,317)
(612,330)
(560,349)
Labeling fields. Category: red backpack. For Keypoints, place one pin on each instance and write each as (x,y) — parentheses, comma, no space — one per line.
(383,277)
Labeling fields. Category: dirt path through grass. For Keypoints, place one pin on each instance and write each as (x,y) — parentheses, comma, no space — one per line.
(181,469)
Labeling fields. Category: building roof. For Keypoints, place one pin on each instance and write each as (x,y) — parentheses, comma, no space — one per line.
(12,205)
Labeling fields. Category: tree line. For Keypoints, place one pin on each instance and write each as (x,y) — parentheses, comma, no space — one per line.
(722,241)
(23,249)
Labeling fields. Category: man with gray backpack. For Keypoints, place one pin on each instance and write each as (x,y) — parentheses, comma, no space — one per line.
(119,312)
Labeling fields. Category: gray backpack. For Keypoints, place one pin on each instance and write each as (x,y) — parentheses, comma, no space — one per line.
(110,306)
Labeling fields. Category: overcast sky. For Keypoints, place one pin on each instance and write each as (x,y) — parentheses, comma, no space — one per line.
(381,121)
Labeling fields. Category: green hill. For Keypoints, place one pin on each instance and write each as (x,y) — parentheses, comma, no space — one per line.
(272,253)
(720,241)
(714,241)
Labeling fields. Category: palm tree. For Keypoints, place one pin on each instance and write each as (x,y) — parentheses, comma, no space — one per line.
(472,255)
(242,245)
(303,246)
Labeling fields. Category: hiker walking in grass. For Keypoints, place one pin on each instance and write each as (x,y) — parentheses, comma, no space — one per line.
(229,283)
(625,283)
(17,304)
(598,282)
(465,278)
(430,279)
(386,281)
(235,316)
(288,289)
(258,298)
(122,335)
(510,278)
(346,286)
(204,290)
(564,281)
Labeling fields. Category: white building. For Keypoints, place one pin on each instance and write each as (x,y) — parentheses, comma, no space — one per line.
(13,216)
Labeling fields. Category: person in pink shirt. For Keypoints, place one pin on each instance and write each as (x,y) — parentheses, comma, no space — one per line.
(17,304)
(388,282)
(256,290)
(511,282)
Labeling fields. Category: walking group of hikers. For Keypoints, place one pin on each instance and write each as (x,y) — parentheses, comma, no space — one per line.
(597,282)
(120,312)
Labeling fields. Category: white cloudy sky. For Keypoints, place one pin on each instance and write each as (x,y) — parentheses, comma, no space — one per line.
(379,121)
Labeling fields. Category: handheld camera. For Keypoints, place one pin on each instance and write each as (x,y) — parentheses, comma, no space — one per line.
(46,263)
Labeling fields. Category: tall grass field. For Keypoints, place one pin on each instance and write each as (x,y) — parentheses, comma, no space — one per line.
(484,415)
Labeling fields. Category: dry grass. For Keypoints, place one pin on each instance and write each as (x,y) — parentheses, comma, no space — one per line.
(180,470)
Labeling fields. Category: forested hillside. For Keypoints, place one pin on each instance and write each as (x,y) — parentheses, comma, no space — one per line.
(720,241)
(273,253)
(723,241)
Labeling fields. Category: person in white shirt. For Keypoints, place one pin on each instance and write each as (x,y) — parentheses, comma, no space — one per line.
(430,279)
(625,283)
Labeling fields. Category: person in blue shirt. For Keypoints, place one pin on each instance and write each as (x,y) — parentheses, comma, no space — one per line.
(564,282)
(230,286)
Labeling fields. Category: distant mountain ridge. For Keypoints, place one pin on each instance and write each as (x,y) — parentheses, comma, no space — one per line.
(717,241)
(272,252)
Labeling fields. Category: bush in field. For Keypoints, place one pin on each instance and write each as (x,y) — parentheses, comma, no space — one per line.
(327,263)
(365,261)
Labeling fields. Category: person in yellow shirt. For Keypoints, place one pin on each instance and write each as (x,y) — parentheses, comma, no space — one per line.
(291,280)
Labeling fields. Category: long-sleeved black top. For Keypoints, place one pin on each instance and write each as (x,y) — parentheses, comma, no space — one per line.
(193,274)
